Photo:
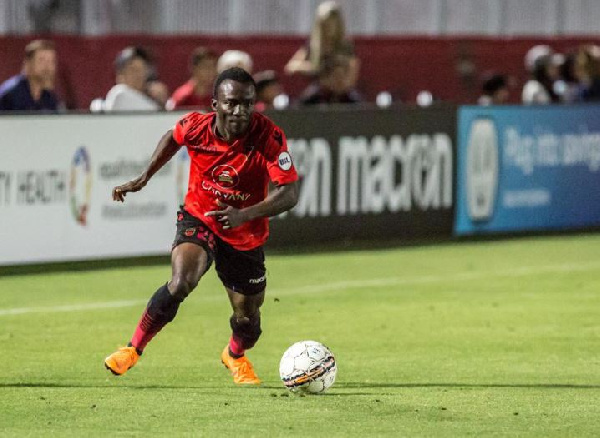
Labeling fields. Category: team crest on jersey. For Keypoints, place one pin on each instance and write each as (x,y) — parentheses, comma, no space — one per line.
(225,177)
(285,161)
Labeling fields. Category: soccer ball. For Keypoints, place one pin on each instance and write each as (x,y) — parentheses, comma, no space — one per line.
(308,366)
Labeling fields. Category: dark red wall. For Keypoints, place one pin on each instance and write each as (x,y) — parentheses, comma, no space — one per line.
(401,65)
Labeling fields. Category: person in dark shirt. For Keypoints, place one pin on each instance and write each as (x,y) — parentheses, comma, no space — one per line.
(333,85)
(268,88)
(33,89)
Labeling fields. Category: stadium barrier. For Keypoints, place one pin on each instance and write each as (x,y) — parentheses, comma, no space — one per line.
(527,169)
(365,174)
(370,174)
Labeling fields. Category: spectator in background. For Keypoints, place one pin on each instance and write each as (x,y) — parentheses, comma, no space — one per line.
(327,39)
(495,90)
(587,70)
(33,89)
(567,87)
(334,84)
(542,66)
(155,88)
(267,89)
(129,94)
(234,58)
(197,91)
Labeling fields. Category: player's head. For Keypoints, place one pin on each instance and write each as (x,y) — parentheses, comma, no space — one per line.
(40,61)
(233,100)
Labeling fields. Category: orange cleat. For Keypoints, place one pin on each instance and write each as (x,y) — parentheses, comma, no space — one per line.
(241,369)
(121,360)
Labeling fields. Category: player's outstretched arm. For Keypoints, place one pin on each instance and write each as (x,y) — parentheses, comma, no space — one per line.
(281,198)
(166,148)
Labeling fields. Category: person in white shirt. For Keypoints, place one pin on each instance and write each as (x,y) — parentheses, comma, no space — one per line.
(541,63)
(129,94)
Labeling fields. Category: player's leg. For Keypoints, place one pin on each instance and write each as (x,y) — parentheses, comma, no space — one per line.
(189,262)
(245,321)
(243,275)
(245,327)
(191,257)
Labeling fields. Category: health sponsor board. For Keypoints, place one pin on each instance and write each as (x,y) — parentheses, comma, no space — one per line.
(56,177)
(527,169)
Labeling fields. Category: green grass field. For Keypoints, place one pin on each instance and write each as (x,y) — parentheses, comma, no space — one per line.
(474,339)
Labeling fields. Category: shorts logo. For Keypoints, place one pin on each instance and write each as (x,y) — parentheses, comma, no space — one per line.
(257,280)
(285,161)
(189,232)
(225,177)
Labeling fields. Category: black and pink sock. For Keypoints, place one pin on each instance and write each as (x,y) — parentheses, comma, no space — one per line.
(161,310)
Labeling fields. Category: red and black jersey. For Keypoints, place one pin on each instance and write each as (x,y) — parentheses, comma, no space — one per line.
(238,174)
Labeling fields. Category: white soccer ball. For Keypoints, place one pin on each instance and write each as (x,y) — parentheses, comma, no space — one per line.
(308,366)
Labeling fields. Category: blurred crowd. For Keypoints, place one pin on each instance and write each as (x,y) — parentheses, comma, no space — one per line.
(327,58)
(554,77)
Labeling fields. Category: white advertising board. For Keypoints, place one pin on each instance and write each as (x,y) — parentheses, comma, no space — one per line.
(56,178)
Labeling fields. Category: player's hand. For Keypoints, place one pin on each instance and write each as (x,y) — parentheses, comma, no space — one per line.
(135,185)
(230,217)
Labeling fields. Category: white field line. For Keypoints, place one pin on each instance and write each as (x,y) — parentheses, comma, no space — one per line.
(336,286)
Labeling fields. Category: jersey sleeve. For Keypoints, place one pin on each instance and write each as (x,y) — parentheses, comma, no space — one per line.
(279,161)
(182,128)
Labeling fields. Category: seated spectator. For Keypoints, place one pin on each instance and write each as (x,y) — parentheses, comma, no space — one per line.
(197,91)
(33,89)
(567,87)
(129,94)
(543,69)
(333,84)
(267,89)
(587,70)
(155,88)
(495,90)
(327,39)
(234,58)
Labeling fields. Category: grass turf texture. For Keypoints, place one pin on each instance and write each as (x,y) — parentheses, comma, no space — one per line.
(472,339)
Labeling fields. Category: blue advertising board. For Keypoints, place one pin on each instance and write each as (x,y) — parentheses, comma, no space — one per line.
(527,168)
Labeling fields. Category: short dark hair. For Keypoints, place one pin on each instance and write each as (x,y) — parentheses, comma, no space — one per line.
(493,83)
(36,45)
(233,74)
(200,54)
(128,54)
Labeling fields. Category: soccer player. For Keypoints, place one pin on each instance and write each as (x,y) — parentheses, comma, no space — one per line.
(234,154)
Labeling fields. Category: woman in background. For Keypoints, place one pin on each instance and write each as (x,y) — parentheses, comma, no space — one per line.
(327,39)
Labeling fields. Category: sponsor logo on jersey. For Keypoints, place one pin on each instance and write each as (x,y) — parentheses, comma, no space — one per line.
(285,161)
(225,195)
(225,177)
